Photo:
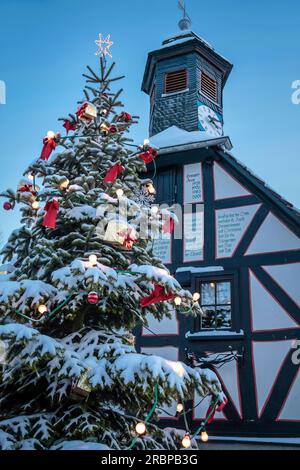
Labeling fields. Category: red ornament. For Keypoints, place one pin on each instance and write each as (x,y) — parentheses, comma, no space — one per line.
(51,208)
(69,126)
(149,155)
(158,295)
(212,410)
(7,206)
(113,173)
(80,111)
(49,146)
(168,225)
(93,298)
(113,129)
(125,117)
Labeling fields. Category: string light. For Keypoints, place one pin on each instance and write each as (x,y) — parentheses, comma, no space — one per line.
(154,210)
(64,184)
(212,285)
(146,142)
(204,436)
(119,192)
(140,429)
(30,176)
(196,296)
(35,205)
(179,407)
(186,441)
(42,308)
(50,134)
(93,260)
(177,300)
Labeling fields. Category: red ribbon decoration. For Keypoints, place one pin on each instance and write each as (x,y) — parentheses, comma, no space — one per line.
(52,208)
(113,173)
(113,129)
(49,146)
(129,238)
(69,126)
(168,225)
(126,117)
(149,155)
(158,295)
(26,188)
(80,111)
(212,410)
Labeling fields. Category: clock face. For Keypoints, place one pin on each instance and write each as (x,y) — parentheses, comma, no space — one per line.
(210,121)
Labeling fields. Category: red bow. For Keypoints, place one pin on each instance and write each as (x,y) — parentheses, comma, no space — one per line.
(149,155)
(49,146)
(129,238)
(113,129)
(27,188)
(168,225)
(113,173)
(52,208)
(80,111)
(212,410)
(69,126)
(125,117)
(158,295)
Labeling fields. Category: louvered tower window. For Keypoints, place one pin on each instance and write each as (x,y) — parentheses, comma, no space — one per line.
(176,81)
(209,87)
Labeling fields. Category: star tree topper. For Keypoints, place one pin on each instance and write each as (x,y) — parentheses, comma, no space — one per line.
(104,45)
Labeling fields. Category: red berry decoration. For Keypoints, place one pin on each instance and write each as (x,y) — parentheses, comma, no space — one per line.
(93,298)
(7,206)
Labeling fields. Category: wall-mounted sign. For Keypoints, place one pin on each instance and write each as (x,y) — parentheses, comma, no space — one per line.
(192,183)
(162,248)
(193,236)
(231,224)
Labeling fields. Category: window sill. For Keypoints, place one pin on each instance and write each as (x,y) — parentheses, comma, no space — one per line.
(214,335)
(164,95)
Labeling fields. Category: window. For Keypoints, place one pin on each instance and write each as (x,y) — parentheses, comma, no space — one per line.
(216,304)
(176,81)
(209,87)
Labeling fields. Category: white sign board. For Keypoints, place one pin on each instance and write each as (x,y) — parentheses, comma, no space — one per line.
(192,183)
(231,224)
(193,236)
(162,248)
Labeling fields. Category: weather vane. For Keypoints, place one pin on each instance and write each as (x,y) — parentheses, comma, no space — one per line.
(104,45)
(185,23)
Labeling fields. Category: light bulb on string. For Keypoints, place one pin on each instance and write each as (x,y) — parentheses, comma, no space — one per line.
(64,184)
(196,296)
(204,436)
(30,176)
(51,135)
(35,205)
(42,308)
(119,192)
(212,285)
(146,142)
(177,300)
(154,210)
(93,260)
(140,428)
(179,407)
(186,441)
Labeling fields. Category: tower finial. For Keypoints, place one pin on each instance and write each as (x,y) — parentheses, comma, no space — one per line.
(185,23)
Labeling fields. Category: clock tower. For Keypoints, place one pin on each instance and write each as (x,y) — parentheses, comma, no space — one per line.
(185,79)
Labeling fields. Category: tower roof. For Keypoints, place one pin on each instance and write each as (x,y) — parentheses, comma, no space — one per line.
(182,43)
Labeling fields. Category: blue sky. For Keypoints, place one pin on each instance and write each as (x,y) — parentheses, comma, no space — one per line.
(45,45)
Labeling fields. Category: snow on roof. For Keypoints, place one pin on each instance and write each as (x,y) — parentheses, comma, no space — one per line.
(183,36)
(174,136)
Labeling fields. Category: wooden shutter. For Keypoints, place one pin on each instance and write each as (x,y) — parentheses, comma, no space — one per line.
(165,185)
(176,81)
(209,87)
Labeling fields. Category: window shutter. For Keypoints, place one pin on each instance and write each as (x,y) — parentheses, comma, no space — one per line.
(176,81)
(209,87)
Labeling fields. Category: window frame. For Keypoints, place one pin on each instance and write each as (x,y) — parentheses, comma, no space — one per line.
(168,93)
(219,276)
(217,101)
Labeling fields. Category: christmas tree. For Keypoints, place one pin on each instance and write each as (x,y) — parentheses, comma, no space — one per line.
(81,277)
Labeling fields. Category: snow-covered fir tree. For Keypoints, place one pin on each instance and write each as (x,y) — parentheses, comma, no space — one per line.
(81,275)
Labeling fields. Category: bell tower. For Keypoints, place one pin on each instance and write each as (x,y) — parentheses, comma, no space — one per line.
(185,79)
